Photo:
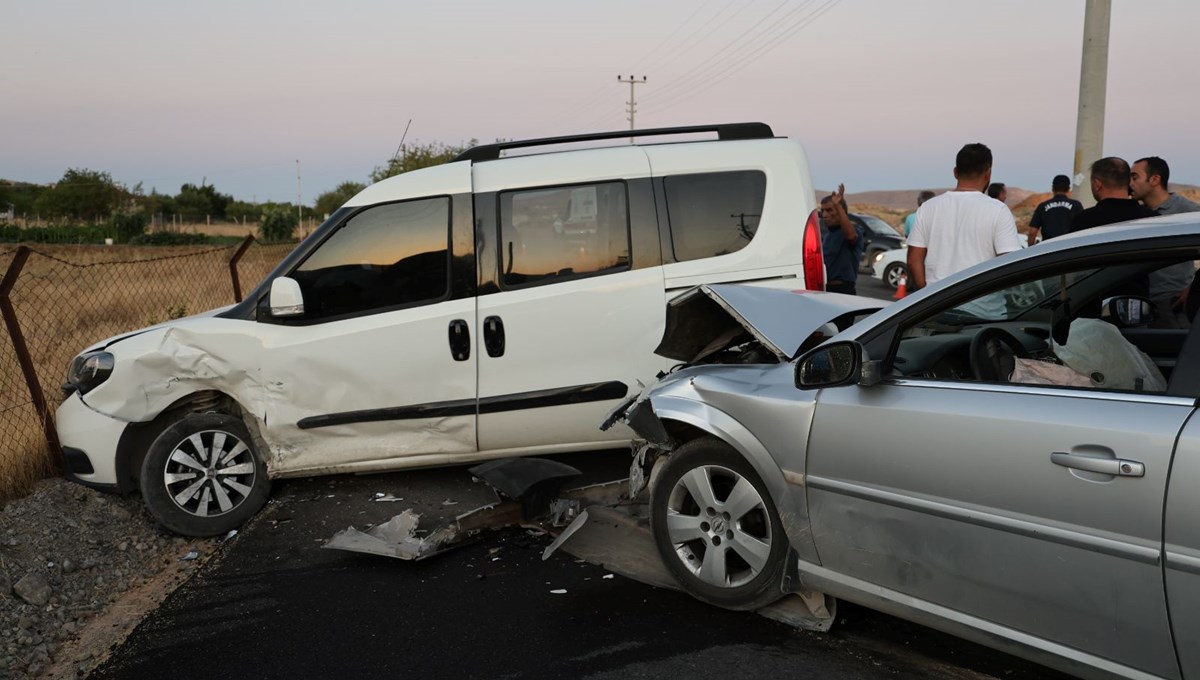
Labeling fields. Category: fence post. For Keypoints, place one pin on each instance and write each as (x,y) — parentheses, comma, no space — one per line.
(22,352)
(233,262)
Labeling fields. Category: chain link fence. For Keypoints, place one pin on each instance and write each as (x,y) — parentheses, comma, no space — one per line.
(57,300)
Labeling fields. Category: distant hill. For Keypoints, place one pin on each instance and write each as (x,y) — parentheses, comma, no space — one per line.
(906,199)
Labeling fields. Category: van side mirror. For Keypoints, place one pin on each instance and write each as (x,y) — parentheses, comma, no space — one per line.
(1128,311)
(286,299)
(839,363)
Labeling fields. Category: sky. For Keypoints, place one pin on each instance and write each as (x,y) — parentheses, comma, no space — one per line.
(882,93)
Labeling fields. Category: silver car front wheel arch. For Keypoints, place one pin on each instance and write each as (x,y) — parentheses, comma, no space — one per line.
(724,427)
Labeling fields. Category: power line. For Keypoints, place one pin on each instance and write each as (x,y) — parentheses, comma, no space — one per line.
(684,79)
(746,60)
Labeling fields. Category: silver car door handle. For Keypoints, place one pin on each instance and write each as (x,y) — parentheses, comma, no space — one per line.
(1106,466)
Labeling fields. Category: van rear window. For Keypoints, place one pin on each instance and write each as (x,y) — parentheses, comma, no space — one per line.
(714,213)
(557,233)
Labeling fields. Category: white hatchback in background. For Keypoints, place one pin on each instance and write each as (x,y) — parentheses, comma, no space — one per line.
(889,266)
(489,307)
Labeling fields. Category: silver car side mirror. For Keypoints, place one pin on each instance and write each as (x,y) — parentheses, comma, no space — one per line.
(838,363)
(286,299)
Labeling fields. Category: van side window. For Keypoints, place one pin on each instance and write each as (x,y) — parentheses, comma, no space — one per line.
(714,213)
(384,257)
(557,233)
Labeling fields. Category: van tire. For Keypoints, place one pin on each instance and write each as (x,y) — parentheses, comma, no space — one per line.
(202,475)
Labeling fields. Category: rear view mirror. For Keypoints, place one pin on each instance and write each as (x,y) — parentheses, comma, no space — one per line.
(839,363)
(286,299)
(1128,311)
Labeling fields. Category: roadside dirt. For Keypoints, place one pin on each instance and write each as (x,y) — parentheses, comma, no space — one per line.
(78,570)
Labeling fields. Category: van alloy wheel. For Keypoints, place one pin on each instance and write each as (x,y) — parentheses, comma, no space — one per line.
(202,476)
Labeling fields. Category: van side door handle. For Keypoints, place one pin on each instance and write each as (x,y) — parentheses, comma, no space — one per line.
(460,340)
(1104,466)
(493,336)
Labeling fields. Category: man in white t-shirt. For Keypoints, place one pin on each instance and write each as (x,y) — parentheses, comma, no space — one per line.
(963,227)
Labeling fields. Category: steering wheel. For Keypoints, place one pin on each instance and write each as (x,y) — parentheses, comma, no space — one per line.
(992,354)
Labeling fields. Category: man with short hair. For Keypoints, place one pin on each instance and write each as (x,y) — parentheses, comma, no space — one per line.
(998,191)
(962,227)
(842,243)
(1169,285)
(1053,216)
(1110,188)
(911,218)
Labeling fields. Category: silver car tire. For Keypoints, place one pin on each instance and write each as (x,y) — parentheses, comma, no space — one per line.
(716,527)
(202,476)
(891,275)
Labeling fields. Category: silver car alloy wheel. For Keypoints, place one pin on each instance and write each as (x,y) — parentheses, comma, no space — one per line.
(207,468)
(718,523)
(892,275)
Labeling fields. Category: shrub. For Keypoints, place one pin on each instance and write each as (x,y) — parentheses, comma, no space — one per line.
(169,238)
(126,226)
(278,224)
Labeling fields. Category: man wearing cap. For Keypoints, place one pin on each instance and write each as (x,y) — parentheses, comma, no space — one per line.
(1053,216)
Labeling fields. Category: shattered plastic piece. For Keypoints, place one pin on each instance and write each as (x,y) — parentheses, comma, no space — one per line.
(559,591)
(229,536)
(607,576)
(386,498)
(379,494)
(574,526)
(449,502)
(533,481)
(191,555)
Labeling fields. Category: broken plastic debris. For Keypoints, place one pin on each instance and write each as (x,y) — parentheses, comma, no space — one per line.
(559,591)
(449,502)
(230,535)
(191,555)
(607,576)
(385,498)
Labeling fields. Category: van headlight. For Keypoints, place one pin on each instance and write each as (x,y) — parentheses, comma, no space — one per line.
(87,371)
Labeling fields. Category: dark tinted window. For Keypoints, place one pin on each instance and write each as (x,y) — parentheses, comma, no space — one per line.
(714,213)
(384,257)
(557,233)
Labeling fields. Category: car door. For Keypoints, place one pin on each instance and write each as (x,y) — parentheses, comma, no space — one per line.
(380,366)
(1181,544)
(569,309)
(1033,508)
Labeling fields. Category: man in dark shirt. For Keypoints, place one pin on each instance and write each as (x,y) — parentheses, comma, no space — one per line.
(842,243)
(1110,188)
(1053,216)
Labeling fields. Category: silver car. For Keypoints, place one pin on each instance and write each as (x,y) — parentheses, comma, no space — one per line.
(1008,455)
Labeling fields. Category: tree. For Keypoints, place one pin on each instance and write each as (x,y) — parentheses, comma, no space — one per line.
(278,224)
(240,211)
(197,202)
(81,194)
(419,156)
(332,200)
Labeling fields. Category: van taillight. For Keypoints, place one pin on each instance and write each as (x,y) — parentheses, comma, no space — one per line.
(814,260)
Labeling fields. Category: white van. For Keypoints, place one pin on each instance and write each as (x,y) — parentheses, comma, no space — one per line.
(488,307)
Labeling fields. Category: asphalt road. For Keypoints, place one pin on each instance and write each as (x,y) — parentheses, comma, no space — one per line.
(277,605)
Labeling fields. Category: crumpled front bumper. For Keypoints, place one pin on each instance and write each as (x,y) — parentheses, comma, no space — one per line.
(89,439)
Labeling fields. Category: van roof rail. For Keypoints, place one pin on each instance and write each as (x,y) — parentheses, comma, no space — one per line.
(728,131)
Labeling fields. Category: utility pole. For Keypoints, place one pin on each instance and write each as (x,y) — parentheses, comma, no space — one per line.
(299,210)
(632,110)
(1093,84)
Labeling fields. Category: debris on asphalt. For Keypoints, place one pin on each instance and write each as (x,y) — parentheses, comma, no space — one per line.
(386,498)
(191,555)
(559,591)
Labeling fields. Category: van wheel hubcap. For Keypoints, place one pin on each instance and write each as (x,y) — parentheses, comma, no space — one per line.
(210,473)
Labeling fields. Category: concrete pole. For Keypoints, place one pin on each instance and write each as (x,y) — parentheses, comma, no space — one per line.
(1093,83)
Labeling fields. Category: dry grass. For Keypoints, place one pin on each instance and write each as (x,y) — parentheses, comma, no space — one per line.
(68,297)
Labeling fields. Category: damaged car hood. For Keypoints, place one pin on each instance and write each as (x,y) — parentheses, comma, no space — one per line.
(706,318)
